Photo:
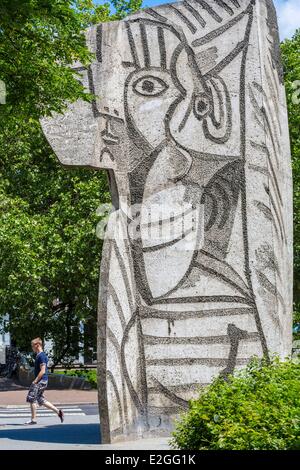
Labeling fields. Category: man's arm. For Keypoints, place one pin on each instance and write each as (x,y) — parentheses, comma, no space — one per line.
(40,374)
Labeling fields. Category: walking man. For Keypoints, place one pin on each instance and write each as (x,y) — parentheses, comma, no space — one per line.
(36,391)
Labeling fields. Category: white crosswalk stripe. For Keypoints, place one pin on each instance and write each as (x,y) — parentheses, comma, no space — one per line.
(26,407)
(16,412)
(18,415)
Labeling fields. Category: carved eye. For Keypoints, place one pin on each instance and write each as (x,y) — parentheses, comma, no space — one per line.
(201,106)
(149,86)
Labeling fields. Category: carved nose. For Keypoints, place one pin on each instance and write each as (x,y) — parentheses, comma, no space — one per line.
(108,135)
(109,112)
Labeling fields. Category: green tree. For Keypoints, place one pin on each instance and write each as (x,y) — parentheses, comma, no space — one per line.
(48,246)
(49,249)
(291,61)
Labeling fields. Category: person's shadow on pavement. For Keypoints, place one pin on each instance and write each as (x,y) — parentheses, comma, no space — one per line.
(66,434)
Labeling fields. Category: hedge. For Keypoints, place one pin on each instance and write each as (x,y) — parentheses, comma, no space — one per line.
(258,408)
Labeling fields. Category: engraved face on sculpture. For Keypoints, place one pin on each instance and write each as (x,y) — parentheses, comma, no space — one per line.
(177,105)
(180,87)
(174,93)
(150,93)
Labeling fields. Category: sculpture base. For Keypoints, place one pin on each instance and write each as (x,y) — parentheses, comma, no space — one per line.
(159,426)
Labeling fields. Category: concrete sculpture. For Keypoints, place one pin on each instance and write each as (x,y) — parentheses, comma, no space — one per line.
(190,122)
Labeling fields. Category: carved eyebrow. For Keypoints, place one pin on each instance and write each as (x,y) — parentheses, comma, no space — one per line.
(132,46)
(144,51)
(184,19)
(156,28)
(145,45)
(162,47)
(99,34)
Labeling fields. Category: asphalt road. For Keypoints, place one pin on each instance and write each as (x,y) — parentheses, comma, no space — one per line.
(80,430)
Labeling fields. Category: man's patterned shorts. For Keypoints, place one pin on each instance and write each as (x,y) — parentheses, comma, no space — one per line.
(36,393)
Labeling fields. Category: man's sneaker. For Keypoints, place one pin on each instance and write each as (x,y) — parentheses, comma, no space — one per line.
(28,423)
(61,416)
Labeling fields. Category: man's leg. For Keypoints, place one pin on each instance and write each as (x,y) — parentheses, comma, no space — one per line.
(43,402)
(59,413)
(49,405)
(31,399)
(33,411)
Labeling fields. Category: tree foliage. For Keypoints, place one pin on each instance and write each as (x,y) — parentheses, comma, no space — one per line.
(257,409)
(291,61)
(48,245)
(38,41)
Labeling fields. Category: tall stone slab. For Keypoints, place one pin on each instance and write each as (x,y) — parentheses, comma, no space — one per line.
(190,122)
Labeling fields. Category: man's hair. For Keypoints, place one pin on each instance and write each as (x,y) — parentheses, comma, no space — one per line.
(37,340)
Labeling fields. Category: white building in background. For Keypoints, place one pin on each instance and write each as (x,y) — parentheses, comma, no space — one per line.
(4,340)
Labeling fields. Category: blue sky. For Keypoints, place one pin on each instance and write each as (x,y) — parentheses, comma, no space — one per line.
(288,14)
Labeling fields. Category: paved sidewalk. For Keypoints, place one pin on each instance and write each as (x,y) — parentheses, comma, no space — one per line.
(9,385)
(18,397)
(77,432)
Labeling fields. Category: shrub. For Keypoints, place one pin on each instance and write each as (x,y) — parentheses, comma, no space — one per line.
(256,409)
(89,374)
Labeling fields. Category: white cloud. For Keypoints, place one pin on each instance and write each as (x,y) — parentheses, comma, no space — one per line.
(288,12)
